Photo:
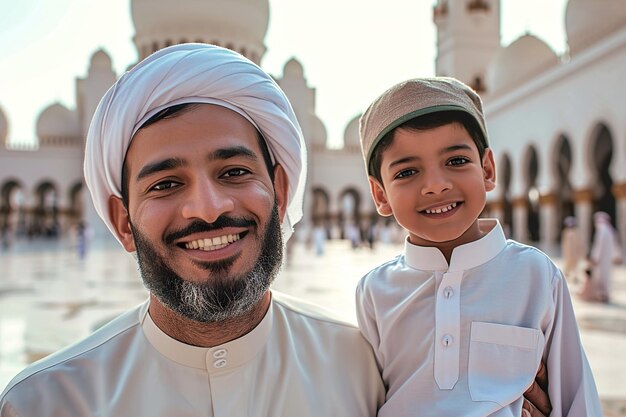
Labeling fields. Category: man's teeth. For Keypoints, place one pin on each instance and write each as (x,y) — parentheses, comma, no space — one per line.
(441,209)
(215,243)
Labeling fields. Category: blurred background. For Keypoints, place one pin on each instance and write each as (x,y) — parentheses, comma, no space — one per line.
(550,74)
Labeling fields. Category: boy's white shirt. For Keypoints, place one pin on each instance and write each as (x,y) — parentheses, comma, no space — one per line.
(466,339)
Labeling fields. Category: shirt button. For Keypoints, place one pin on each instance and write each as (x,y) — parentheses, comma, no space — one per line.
(220,363)
(446,340)
(220,353)
(448,292)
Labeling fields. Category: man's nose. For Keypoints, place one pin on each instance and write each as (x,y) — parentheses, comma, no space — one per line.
(435,182)
(207,201)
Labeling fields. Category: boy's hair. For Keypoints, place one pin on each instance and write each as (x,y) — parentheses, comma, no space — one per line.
(414,99)
(426,122)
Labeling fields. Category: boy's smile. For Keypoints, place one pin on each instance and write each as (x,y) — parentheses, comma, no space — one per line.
(435,185)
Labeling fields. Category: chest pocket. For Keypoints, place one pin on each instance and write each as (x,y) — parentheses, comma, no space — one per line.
(503,361)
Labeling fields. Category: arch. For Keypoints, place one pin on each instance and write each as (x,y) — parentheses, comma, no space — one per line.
(320,209)
(601,158)
(45,220)
(531,173)
(12,213)
(76,201)
(505,174)
(349,211)
(561,166)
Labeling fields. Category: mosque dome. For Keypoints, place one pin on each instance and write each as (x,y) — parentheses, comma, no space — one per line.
(4,127)
(293,68)
(351,135)
(588,21)
(240,25)
(523,59)
(318,132)
(100,60)
(57,125)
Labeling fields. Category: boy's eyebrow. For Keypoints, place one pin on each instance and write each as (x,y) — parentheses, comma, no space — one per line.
(453,148)
(173,163)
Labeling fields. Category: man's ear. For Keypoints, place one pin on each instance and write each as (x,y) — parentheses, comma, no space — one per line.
(121,223)
(489,170)
(380,197)
(281,190)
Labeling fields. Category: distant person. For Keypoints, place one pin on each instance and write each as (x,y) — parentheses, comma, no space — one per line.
(572,249)
(461,299)
(605,251)
(319,238)
(83,238)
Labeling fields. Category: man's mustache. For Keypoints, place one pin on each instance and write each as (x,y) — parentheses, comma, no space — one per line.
(198,226)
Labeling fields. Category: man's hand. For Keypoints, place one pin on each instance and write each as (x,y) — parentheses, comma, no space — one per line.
(536,400)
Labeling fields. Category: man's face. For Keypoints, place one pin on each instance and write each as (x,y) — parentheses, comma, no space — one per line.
(203,214)
(435,184)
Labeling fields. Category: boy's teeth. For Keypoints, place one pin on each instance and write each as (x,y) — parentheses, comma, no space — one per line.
(441,209)
(215,243)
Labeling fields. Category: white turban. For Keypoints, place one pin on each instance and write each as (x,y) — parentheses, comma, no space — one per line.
(192,73)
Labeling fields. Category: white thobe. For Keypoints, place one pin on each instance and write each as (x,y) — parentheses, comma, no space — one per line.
(603,253)
(466,339)
(297,362)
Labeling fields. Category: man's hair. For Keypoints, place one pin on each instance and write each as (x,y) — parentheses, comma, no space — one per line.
(178,110)
(427,122)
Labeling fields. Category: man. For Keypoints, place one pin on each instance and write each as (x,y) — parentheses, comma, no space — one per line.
(605,251)
(215,166)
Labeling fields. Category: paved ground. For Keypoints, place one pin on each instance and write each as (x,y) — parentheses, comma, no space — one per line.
(49,298)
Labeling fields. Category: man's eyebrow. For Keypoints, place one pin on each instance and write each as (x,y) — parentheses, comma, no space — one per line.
(164,165)
(233,151)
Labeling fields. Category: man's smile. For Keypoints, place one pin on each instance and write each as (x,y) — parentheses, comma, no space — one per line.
(210,244)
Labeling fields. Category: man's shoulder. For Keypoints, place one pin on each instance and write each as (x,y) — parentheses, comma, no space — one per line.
(78,352)
(295,307)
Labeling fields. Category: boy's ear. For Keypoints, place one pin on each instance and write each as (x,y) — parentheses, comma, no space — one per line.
(281,190)
(121,223)
(489,170)
(380,197)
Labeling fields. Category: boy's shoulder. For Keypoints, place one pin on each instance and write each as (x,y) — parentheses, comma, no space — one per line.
(529,257)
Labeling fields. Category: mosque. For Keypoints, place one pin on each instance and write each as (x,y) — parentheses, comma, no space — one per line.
(557,124)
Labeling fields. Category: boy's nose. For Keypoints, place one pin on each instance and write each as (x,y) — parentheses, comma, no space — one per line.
(435,183)
(207,201)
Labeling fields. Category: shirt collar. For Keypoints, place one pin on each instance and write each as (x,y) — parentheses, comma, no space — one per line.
(215,359)
(464,257)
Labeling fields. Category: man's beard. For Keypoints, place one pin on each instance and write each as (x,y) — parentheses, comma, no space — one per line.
(221,296)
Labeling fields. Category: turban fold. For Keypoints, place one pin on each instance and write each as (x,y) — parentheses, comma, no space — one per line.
(192,73)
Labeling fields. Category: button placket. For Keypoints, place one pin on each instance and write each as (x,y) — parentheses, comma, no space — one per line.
(219,358)
(447,330)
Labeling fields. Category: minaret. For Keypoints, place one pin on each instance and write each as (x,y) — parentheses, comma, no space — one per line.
(468,37)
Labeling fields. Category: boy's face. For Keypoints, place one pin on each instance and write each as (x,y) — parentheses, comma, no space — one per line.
(435,185)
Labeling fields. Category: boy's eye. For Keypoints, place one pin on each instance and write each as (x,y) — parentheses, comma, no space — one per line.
(405,173)
(458,160)
(165,185)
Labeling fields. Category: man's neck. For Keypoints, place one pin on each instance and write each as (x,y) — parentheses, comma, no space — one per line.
(206,334)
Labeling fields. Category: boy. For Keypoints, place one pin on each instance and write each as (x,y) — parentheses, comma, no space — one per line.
(461,301)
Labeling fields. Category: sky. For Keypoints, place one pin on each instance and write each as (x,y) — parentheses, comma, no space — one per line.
(351,50)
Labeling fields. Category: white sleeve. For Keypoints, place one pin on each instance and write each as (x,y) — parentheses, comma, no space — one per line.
(366,319)
(571,387)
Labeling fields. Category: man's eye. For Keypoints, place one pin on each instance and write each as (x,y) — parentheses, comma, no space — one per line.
(459,160)
(165,185)
(236,172)
(406,173)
